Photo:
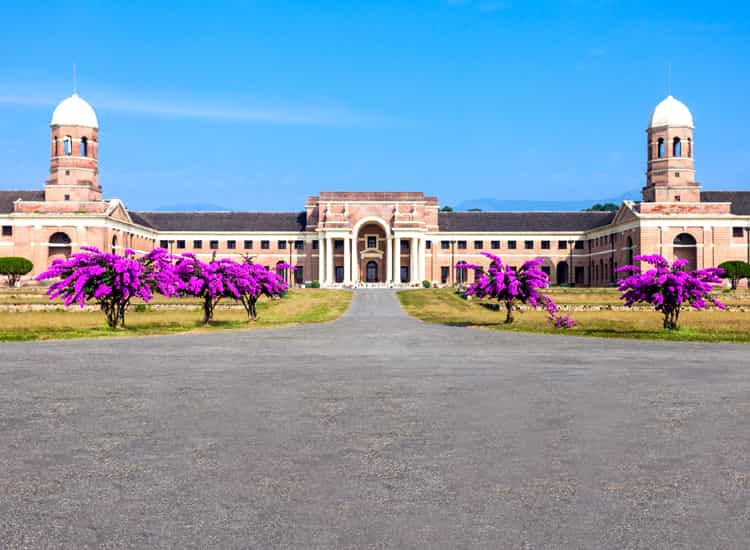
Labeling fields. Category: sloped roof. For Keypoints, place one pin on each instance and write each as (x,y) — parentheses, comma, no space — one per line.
(740,200)
(222,221)
(523,221)
(7,198)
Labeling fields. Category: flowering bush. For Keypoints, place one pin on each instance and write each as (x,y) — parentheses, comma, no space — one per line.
(668,286)
(112,280)
(260,282)
(226,278)
(506,285)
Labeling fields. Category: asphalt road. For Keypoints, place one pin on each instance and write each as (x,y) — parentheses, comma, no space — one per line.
(376,431)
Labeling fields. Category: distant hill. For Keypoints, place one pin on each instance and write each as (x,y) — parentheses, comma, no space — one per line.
(193,207)
(502,205)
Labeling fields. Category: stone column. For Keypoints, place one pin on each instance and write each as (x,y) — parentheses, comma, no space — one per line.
(355,261)
(421,262)
(330,278)
(396,261)
(389,260)
(347,261)
(321,260)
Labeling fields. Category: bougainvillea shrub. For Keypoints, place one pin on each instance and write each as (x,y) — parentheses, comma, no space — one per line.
(668,287)
(111,280)
(260,282)
(510,286)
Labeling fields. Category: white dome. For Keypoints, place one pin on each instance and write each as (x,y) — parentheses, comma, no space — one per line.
(74,111)
(671,112)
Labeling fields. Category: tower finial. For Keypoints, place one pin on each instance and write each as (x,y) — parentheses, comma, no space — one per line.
(75,80)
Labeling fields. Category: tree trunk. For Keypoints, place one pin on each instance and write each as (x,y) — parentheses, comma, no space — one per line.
(208,309)
(671,318)
(508,313)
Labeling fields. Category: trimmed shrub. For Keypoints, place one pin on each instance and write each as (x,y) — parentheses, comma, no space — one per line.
(13,268)
(426,283)
(314,284)
(735,271)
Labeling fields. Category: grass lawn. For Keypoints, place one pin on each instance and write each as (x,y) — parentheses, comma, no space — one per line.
(443,306)
(299,306)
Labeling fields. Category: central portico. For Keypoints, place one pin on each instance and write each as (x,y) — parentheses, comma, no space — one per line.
(373,238)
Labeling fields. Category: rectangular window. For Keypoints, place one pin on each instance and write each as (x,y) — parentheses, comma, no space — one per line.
(163,244)
(213,245)
(736,232)
(265,245)
(404,245)
(299,245)
(478,245)
(338,244)
(197,244)
(444,272)
(180,244)
(248,245)
(428,245)
(579,245)
(339,273)
(298,275)
(445,245)
(7,231)
(528,245)
(562,245)
(231,245)
(282,245)
(512,245)
(372,242)
(495,245)
(316,244)
(461,245)
(545,245)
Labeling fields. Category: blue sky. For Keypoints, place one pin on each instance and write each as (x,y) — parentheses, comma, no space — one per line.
(257,105)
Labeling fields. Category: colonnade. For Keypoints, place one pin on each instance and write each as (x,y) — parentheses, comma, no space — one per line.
(353,258)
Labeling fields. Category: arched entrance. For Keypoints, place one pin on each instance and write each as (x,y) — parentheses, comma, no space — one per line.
(685,249)
(562,273)
(371,272)
(60,246)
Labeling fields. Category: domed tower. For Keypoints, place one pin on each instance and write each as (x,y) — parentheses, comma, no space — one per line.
(74,154)
(670,175)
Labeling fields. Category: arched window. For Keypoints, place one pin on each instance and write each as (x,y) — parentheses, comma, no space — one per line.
(114,244)
(54,146)
(660,148)
(690,148)
(676,147)
(649,147)
(84,147)
(562,273)
(68,145)
(59,245)
(281,271)
(684,246)
(460,272)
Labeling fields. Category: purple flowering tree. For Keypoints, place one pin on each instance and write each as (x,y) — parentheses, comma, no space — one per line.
(668,287)
(111,280)
(510,286)
(260,282)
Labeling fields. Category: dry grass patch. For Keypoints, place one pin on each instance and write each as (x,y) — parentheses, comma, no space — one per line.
(299,306)
(443,306)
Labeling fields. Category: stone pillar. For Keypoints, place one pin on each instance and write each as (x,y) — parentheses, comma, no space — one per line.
(396,261)
(355,261)
(330,278)
(422,258)
(347,261)
(321,260)
(389,260)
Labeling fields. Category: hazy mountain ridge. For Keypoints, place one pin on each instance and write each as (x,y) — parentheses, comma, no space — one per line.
(510,205)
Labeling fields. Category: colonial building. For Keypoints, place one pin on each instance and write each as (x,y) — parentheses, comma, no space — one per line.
(399,238)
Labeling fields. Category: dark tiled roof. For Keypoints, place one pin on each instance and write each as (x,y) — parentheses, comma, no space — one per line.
(222,221)
(7,198)
(740,200)
(523,221)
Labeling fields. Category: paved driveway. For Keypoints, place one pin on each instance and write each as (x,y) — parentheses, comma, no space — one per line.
(376,431)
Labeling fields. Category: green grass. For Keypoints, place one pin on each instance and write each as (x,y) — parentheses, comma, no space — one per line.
(299,306)
(443,306)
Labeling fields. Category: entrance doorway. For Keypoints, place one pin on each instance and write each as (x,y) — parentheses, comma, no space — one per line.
(371,272)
